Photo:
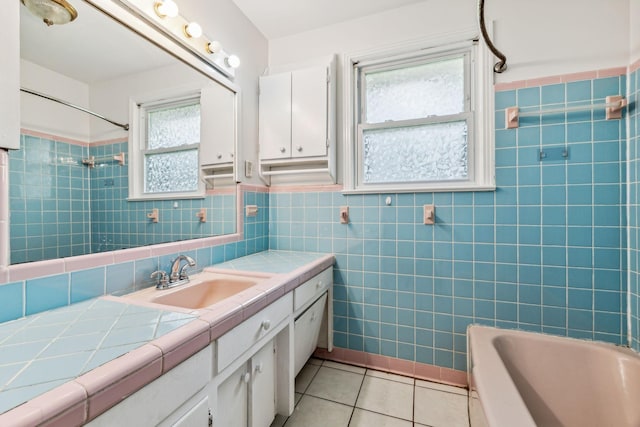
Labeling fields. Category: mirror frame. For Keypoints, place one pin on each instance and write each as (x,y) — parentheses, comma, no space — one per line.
(10,131)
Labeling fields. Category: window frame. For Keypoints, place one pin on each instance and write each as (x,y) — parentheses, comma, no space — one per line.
(138,146)
(478,115)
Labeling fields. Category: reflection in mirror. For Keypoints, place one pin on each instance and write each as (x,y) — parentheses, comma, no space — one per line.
(69,181)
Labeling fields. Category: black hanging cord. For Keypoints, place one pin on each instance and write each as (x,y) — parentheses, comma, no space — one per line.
(501,65)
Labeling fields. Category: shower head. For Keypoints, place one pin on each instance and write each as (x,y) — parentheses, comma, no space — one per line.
(52,11)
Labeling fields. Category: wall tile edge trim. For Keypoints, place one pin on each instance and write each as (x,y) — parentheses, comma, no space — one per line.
(565,78)
(421,371)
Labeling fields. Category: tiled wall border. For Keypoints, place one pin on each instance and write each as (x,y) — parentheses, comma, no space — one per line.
(564,78)
(421,371)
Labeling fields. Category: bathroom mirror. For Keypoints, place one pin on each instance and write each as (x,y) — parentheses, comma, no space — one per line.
(69,181)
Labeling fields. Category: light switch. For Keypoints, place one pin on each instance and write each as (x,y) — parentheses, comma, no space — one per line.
(429,214)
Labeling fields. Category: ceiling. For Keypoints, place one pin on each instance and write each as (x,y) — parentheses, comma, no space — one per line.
(90,49)
(280,18)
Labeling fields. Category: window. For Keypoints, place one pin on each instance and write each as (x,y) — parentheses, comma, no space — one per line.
(418,121)
(165,155)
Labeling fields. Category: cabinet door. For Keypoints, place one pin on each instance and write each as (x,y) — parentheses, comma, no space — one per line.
(306,332)
(263,387)
(217,125)
(275,116)
(198,416)
(309,112)
(232,400)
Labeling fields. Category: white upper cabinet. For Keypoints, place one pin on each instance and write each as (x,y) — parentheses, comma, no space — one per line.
(275,116)
(217,125)
(297,121)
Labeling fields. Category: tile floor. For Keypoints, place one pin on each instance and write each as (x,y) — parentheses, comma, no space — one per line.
(339,395)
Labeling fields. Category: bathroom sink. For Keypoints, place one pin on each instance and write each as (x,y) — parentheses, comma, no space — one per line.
(202,290)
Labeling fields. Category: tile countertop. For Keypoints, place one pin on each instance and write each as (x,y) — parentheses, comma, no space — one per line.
(69,365)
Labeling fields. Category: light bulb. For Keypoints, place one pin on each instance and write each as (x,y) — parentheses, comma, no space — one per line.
(233,61)
(166,8)
(193,29)
(214,47)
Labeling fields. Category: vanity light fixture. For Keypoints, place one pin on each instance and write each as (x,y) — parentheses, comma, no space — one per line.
(166,8)
(192,30)
(213,47)
(232,61)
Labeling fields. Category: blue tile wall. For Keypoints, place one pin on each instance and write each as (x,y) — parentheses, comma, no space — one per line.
(49,200)
(18,299)
(60,207)
(544,252)
(633,218)
(117,223)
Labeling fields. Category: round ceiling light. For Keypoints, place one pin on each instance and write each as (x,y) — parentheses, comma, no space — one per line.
(52,12)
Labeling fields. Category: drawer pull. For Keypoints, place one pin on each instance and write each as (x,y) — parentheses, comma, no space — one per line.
(246,377)
(266,324)
(319,284)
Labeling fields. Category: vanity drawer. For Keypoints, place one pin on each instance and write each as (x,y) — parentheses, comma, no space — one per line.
(311,289)
(242,337)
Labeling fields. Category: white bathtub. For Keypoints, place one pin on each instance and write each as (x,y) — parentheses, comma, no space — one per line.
(526,379)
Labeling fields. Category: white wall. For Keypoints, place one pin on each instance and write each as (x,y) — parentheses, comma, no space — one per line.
(49,117)
(223,20)
(634,25)
(541,38)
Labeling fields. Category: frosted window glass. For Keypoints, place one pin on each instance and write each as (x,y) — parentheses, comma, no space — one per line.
(435,152)
(171,172)
(173,127)
(414,92)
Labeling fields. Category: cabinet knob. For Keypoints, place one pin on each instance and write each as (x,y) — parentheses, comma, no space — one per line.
(319,284)
(219,155)
(259,368)
(299,148)
(246,377)
(231,155)
(282,149)
(266,324)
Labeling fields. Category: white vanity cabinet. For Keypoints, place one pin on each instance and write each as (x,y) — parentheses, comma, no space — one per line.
(247,397)
(246,381)
(297,120)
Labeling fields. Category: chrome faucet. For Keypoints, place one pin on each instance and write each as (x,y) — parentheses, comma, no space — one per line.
(178,274)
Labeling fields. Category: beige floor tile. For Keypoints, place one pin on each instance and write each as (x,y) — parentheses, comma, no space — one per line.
(336,385)
(391,377)
(441,387)
(314,412)
(297,397)
(344,367)
(363,418)
(315,361)
(305,376)
(279,421)
(440,409)
(386,397)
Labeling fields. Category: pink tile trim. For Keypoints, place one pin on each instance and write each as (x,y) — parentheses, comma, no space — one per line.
(83,262)
(222,318)
(33,270)
(117,370)
(182,343)
(563,78)
(416,370)
(4,274)
(111,396)
(69,397)
(53,137)
(305,188)
(612,72)
(254,188)
(634,66)
(124,255)
(25,415)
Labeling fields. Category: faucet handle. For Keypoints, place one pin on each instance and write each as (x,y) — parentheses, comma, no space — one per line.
(163,279)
